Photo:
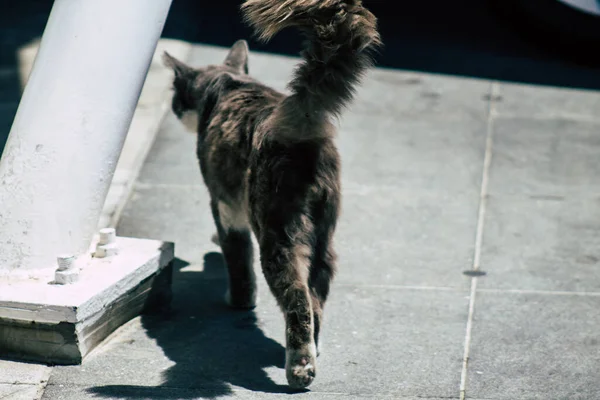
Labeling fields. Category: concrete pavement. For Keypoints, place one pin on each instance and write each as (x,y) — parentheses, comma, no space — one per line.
(468,256)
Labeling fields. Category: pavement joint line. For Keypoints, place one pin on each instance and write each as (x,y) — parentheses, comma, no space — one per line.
(20,387)
(44,382)
(541,292)
(569,117)
(148,186)
(401,287)
(8,395)
(349,187)
(24,384)
(459,289)
(487,161)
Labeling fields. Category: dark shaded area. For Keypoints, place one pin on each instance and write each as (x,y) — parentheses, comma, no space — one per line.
(20,23)
(212,345)
(460,37)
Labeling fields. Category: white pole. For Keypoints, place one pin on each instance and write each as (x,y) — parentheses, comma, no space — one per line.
(69,130)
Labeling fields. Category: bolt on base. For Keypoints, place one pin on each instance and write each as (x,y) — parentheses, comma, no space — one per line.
(107,245)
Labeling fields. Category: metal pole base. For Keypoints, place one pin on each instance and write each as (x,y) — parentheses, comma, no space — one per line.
(42,320)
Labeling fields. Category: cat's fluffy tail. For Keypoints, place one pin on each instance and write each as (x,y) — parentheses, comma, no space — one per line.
(340,35)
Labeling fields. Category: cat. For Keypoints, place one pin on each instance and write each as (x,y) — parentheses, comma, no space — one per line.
(270,162)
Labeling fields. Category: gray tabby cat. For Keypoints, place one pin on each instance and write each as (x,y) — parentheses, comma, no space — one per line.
(270,163)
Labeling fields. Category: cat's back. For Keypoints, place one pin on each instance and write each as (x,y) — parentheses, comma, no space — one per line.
(225,148)
(241,109)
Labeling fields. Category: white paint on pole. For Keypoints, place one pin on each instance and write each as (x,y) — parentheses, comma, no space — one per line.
(70,127)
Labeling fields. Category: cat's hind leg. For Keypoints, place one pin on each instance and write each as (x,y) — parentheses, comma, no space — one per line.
(323,265)
(321,273)
(285,258)
(235,239)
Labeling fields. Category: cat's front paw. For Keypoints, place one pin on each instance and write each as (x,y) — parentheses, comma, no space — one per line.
(300,366)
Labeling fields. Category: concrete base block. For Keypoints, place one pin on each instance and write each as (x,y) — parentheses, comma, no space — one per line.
(60,324)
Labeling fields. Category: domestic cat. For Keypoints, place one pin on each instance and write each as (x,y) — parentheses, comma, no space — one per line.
(270,162)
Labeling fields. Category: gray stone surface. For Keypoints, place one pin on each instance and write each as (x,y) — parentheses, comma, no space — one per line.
(178,212)
(128,357)
(412,335)
(418,96)
(172,160)
(406,342)
(532,346)
(381,236)
(22,381)
(20,391)
(412,153)
(549,159)
(389,236)
(542,244)
(58,392)
(541,228)
(413,148)
(541,102)
(22,373)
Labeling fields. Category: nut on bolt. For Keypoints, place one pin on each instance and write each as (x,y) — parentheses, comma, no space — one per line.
(107,245)
(67,271)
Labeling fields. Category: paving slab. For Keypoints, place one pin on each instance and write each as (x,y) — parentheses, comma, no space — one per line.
(21,373)
(400,237)
(22,381)
(172,159)
(128,357)
(421,155)
(394,342)
(385,236)
(552,158)
(541,244)
(413,95)
(181,213)
(407,342)
(20,392)
(532,346)
(541,228)
(543,102)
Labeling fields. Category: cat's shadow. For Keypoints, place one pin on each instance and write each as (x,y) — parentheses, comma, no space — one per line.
(212,346)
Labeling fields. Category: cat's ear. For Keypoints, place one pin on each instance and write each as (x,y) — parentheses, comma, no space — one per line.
(238,56)
(180,69)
